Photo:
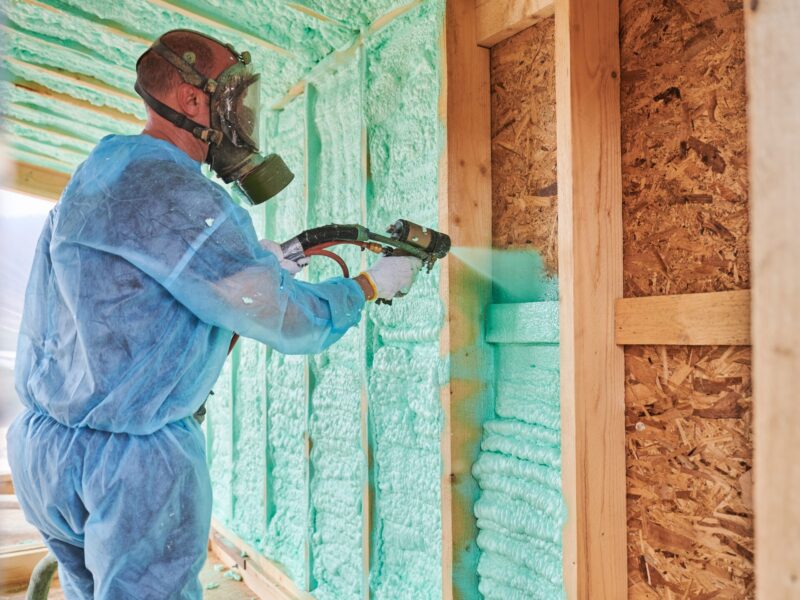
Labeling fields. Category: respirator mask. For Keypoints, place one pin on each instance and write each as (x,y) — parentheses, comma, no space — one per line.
(233,132)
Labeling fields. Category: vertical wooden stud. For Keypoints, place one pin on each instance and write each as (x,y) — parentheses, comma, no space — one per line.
(590,280)
(773,73)
(465,213)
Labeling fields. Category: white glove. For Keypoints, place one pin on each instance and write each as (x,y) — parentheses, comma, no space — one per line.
(393,274)
(287,265)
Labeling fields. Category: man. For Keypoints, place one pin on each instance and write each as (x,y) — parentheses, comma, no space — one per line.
(142,272)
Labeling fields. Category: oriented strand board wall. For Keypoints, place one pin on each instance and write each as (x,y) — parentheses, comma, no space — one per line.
(524,143)
(685,215)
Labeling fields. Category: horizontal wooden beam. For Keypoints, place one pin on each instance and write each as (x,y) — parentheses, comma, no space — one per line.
(500,19)
(263,577)
(17,564)
(38,181)
(6,483)
(713,318)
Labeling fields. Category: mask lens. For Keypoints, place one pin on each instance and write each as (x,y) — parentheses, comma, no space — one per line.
(247,109)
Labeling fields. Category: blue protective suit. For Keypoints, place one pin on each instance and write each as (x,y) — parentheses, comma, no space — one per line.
(143,270)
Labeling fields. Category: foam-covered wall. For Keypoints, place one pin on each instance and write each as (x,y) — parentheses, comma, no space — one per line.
(304,452)
(520,510)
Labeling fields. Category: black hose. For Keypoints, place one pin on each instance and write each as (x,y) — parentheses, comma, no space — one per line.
(330,233)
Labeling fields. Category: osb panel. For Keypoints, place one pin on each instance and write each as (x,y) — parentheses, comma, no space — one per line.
(524,142)
(685,229)
(688,422)
(684,154)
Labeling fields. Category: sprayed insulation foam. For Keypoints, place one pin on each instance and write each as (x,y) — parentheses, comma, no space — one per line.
(43,111)
(314,509)
(337,461)
(219,444)
(355,13)
(521,511)
(287,505)
(249,442)
(405,136)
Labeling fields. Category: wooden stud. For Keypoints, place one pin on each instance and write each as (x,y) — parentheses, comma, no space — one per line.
(465,213)
(317,15)
(367,493)
(773,72)
(262,576)
(590,280)
(38,181)
(714,318)
(340,56)
(500,19)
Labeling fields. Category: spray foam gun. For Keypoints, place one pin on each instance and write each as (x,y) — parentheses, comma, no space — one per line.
(405,238)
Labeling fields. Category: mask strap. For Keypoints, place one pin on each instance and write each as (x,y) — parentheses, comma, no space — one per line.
(203,133)
(188,73)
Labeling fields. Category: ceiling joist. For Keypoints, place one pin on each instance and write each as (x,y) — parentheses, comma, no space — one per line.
(222,27)
(105,111)
(37,181)
(335,58)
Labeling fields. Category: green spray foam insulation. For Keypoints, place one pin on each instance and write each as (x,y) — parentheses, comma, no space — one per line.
(405,139)
(338,465)
(313,512)
(520,511)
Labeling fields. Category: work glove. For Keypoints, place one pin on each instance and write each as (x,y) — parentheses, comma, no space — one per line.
(391,275)
(287,265)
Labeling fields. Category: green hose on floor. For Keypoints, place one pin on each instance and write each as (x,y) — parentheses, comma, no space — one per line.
(41,578)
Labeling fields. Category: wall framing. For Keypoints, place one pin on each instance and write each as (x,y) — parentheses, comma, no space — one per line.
(590,279)
(773,73)
(465,206)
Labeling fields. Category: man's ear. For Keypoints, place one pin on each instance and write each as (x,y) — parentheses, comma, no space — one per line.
(190,100)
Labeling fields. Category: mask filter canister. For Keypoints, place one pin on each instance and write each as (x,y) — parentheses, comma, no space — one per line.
(269,176)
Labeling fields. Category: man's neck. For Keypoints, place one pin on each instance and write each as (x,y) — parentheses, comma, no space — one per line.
(196,149)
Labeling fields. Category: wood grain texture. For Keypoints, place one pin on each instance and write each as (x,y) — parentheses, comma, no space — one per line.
(498,20)
(17,563)
(688,415)
(590,280)
(686,230)
(6,483)
(774,86)
(684,147)
(713,318)
(465,207)
(261,575)
(38,181)
(524,187)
